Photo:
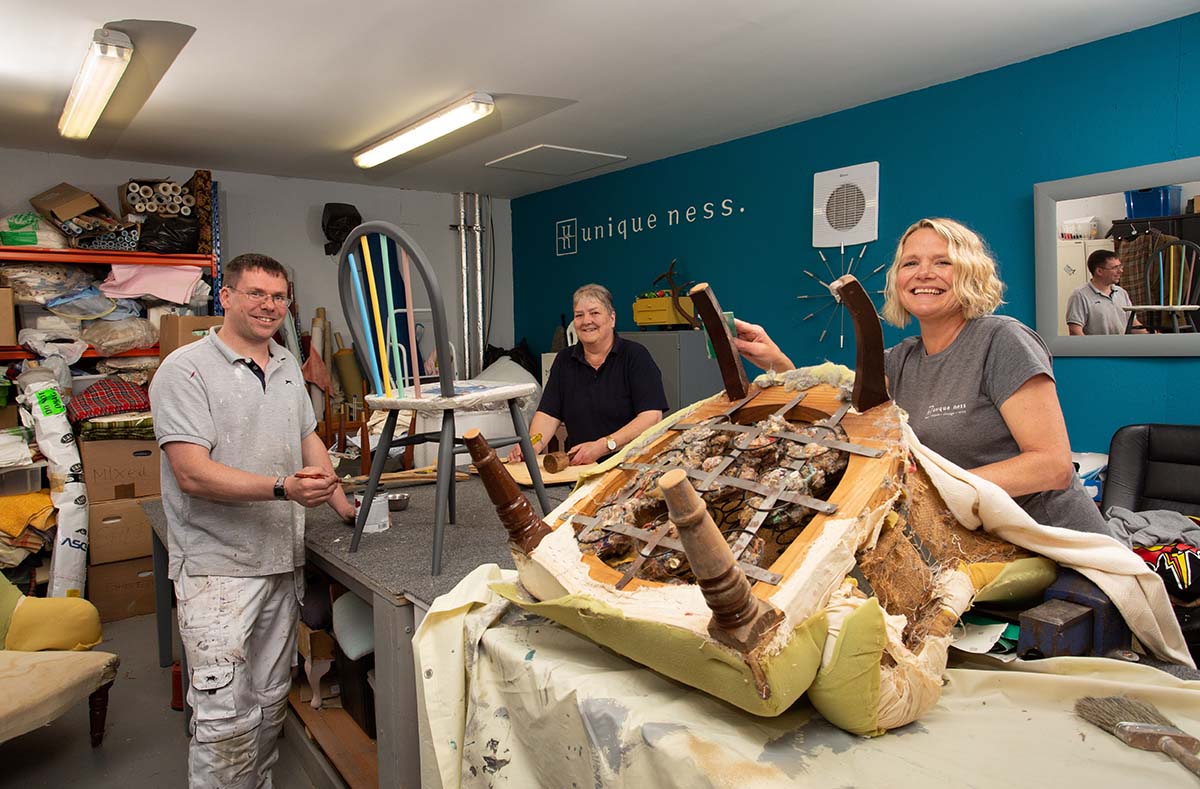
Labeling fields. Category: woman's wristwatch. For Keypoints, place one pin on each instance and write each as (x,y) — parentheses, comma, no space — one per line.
(280,489)
(611,444)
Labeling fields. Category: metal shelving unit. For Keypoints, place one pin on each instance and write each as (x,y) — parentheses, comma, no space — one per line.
(96,258)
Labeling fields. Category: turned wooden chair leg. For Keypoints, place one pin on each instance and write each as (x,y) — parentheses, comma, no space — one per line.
(315,670)
(98,711)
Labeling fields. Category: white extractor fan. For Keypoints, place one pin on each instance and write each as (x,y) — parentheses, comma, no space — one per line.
(845,214)
(846,206)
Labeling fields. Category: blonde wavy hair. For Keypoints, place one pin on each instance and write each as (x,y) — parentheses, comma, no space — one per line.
(594,291)
(976,284)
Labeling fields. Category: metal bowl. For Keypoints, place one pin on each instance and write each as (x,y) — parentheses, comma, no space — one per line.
(397,502)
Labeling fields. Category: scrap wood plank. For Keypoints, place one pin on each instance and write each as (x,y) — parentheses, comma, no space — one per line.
(416,476)
(344,743)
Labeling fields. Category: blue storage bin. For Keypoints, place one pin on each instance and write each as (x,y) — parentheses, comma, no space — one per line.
(1154,201)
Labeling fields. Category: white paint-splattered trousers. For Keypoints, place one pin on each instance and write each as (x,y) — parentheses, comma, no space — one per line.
(239,635)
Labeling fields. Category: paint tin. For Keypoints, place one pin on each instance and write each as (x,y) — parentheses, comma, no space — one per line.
(377,518)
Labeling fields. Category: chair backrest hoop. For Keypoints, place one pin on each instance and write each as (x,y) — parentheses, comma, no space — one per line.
(418,260)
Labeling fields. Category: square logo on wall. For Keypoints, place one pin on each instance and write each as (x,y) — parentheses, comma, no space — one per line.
(566,237)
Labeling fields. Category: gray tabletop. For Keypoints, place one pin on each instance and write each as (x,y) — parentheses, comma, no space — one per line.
(397,562)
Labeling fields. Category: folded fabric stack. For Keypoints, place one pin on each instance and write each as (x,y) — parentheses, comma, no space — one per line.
(112,409)
(131,426)
(26,523)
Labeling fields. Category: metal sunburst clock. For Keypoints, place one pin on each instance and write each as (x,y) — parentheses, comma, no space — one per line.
(834,305)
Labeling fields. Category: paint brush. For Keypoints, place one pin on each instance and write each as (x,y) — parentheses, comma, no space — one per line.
(1140,725)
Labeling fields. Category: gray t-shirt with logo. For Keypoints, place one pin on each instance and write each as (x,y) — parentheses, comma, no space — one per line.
(953,401)
(204,394)
(1097,313)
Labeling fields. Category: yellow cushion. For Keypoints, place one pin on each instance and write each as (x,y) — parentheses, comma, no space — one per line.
(846,691)
(1011,582)
(69,623)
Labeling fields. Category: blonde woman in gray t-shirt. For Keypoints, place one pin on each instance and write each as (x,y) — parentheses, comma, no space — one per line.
(978,387)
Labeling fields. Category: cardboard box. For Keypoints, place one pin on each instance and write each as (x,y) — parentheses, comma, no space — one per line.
(120,469)
(63,202)
(122,589)
(10,415)
(118,530)
(8,318)
(101,227)
(175,331)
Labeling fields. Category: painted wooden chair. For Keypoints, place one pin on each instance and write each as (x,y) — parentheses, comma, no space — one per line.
(1172,279)
(375,288)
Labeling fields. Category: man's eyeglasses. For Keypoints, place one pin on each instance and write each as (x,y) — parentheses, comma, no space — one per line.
(1114,268)
(258,297)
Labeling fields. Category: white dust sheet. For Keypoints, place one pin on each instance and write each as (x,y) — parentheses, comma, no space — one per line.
(507,698)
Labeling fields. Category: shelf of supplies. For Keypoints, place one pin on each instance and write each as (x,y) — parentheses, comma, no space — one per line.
(15,353)
(94,257)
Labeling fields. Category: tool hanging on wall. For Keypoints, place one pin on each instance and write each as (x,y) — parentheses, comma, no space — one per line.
(676,289)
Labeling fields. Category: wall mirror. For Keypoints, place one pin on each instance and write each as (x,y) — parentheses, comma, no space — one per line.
(1061,263)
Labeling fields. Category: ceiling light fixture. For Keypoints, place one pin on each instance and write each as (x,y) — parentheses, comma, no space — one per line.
(457,115)
(102,69)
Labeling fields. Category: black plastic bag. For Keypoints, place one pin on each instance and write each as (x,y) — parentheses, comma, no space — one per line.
(169,235)
(521,354)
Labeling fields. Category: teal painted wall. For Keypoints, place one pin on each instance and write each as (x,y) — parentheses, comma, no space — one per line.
(970,149)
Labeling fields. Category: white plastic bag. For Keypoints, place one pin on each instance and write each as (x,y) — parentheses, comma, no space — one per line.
(27,229)
(46,342)
(38,283)
(52,430)
(112,337)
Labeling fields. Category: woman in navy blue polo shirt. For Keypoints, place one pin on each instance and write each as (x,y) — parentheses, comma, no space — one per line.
(606,389)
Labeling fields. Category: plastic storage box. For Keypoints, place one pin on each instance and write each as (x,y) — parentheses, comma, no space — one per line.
(1155,201)
(21,479)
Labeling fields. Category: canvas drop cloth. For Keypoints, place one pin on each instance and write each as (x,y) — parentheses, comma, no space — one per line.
(1135,589)
(509,698)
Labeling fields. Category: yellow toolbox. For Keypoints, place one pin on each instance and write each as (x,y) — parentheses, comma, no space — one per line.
(661,311)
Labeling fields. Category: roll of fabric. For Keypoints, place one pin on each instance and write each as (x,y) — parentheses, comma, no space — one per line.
(348,373)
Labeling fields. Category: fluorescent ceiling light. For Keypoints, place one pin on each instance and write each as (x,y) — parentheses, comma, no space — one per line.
(439,124)
(106,60)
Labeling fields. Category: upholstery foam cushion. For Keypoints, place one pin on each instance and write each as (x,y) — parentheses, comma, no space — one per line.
(353,626)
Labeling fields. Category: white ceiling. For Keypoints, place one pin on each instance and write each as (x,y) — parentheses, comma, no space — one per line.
(293,87)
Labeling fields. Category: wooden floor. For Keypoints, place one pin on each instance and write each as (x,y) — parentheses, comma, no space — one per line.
(346,746)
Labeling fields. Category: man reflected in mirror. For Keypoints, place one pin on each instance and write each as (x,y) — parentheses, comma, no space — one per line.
(1098,306)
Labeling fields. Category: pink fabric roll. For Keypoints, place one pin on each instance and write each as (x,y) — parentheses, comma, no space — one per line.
(169,283)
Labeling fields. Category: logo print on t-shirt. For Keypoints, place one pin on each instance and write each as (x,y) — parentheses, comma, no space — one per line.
(934,411)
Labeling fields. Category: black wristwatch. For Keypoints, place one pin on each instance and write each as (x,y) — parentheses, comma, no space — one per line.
(280,489)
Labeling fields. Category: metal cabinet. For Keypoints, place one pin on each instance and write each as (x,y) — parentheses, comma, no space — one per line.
(688,373)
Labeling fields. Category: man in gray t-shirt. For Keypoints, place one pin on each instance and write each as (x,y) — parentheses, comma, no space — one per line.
(240,464)
(1098,306)
(953,401)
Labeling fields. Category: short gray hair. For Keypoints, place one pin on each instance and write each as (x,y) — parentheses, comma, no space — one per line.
(594,291)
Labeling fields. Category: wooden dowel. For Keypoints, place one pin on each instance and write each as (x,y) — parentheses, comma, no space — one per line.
(525,528)
(556,462)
